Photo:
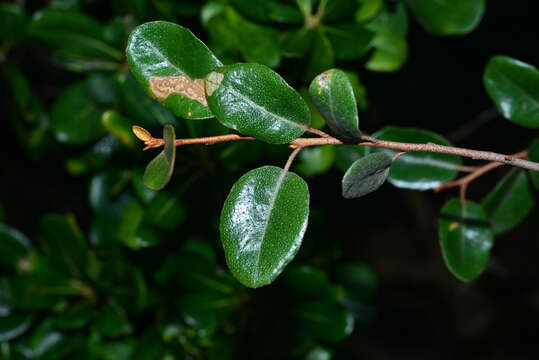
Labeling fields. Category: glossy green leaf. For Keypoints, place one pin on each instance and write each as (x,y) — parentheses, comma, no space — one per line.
(263,222)
(514,88)
(145,110)
(166,211)
(465,238)
(72,32)
(76,115)
(14,246)
(333,95)
(349,41)
(256,101)
(170,63)
(510,201)
(448,17)
(418,170)
(159,170)
(327,320)
(360,91)
(14,325)
(119,126)
(365,175)
(533,155)
(65,243)
(315,160)
(13,23)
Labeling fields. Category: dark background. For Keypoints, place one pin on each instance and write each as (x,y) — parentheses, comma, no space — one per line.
(422,311)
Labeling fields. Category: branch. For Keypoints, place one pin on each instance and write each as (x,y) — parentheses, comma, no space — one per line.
(325,139)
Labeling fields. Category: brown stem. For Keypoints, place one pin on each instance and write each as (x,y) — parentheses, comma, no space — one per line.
(291,158)
(326,139)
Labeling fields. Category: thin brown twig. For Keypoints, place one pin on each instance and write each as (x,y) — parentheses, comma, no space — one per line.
(291,158)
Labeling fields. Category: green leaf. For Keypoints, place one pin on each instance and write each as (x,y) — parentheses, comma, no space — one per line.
(159,170)
(349,41)
(333,95)
(14,325)
(321,56)
(465,238)
(327,320)
(418,170)
(368,9)
(165,211)
(448,17)
(14,246)
(76,316)
(256,101)
(365,175)
(296,43)
(308,283)
(514,88)
(13,23)
(119,127)
(76,115)
(315,160)
(345,156)
(170,63)
(269,11)
(145,110)
(112,321)
(263,222)
(64,243)
(359,280)
(72,32)
(510,201)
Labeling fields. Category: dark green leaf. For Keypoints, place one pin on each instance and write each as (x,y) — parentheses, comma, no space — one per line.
(166,211)
(368,9)
(326,320)
(105,187)
(112,321)
(308,283)
(315,160)
(256,101)
(296,43)
(418,170)
(365,175)
(144,194)
(13,24)
(332,93)
(65,243)
(321,56)
(159,170)
(262,224)
(72,32)
(360,92)
(514,88)
(14,325)
(14,246)
(269,11)
(76,115)
(349,41)
(119,127)
(47,343)
(131,218)
(76,316)
(359,280)
(345,156)
(448,17)
(465,238)
(510,201)
(170,63)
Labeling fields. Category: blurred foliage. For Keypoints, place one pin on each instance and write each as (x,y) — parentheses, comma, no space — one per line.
(129,282)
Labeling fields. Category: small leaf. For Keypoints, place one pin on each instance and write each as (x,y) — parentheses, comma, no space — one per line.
(465,238)
(448,17)
(365,175)
(166,211)
(514,88)
(159,170)
(327,320)
(14,246)
(119,127)
(72,32)
(315,160)
(262,224)
(332,93)
(269,11)
(510,201)
(256,101)
(368,9)
(349,41)
(170,64)
(76,115)
(418,170)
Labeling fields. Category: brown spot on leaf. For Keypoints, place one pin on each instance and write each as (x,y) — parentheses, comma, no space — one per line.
(163,86)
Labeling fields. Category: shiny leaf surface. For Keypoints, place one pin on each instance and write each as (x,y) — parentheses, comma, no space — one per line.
(365,175)
(170,63)
(262,224)
(418,170)
(465,238)
(333,95)
(510,201)
(514,88)
(256,101)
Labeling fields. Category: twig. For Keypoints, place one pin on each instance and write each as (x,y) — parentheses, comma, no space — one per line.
(513,160)
(291,158)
